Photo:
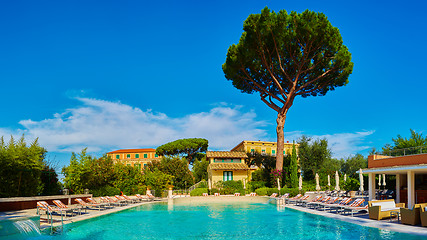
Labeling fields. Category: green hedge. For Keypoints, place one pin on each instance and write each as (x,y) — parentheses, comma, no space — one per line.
(198,191)
(105,191)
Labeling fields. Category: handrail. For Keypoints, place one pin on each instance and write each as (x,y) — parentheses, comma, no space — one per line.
(196,185)
(405,151)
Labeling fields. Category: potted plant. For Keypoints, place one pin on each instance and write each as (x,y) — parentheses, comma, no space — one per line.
(352,185)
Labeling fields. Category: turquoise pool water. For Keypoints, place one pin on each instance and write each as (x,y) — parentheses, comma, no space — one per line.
(217,221)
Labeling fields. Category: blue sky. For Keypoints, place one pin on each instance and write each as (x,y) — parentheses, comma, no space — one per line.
(132,74)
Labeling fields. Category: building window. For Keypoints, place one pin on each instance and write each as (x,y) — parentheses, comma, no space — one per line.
(263,152)
(228,175)
(128,164)
(137,155)
(117,156)
(155,155)
(138,166)
(252,150)
(145,155)
(127,155)
(273,152)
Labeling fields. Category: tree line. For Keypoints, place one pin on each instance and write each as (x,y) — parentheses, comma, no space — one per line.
(25,171)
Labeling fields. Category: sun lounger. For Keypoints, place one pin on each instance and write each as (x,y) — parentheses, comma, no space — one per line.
(356,206)
(317,204)
(86,205)
(237,194)
(114,201)
(102,204)
(344,202)
(302,200)
(326,204)
(143,197)
(205,194)
(252,194)
(122,200)
(132,200)
(294,199)
(273,195)
(313,202)
(216,194)
(42,206)
(64,208)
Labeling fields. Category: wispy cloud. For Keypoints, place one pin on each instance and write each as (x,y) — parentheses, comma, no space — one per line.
(104,125)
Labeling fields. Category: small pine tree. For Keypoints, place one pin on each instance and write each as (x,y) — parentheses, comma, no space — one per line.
(293,169)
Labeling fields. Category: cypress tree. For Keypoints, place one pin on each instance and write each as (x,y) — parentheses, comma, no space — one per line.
(293,169)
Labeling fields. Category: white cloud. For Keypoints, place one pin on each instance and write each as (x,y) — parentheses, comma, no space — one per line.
(103,126)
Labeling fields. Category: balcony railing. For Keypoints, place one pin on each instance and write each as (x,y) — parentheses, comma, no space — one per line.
(405,151)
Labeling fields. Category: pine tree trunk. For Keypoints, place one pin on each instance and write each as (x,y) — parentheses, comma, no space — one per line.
(281,117)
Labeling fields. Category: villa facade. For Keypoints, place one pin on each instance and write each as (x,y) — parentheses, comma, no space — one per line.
(263,147)
(134,157)
(231,165)
(410,172)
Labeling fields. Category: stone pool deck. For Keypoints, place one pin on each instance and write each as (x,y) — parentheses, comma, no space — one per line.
(363,219)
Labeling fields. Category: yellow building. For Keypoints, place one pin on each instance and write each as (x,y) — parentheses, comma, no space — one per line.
(225,166)
(263,147)
(134,157)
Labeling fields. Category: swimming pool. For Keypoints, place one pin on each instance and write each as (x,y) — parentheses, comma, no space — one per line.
(217,221)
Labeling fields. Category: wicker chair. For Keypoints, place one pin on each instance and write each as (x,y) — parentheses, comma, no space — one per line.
(423,216)
(411,216)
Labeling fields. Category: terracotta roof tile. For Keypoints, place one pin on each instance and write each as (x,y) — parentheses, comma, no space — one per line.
(228,166)
(133,150)
(224,154)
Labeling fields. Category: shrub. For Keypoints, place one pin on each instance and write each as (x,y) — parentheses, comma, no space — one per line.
(198,191)
(261,191)
(106,190)
(352,184)
(253,185)
(213,191)
(292,191)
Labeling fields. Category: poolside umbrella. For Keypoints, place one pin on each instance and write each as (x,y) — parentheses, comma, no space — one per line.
(329,181)
(361,180)
(300,182)
(317,182)
(384,180)
(379,181)
(345,177)
(337,181)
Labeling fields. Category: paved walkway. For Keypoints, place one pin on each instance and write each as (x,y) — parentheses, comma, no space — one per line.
(58,220)
(363,219)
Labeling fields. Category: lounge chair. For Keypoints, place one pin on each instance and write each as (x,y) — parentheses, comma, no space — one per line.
(114,201)
(237,194)
(64,208)
(86,205)
(102,204)
(381,208)
(216,194)
(355,207)
(122,199)
(302,200)
(326,204)
(313,202)
(205,194)
(412,216)
(42,206)
(273,195)
(142,197)
(317,203)
(252,194)
(344,202)
(294,199)
(131,200)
